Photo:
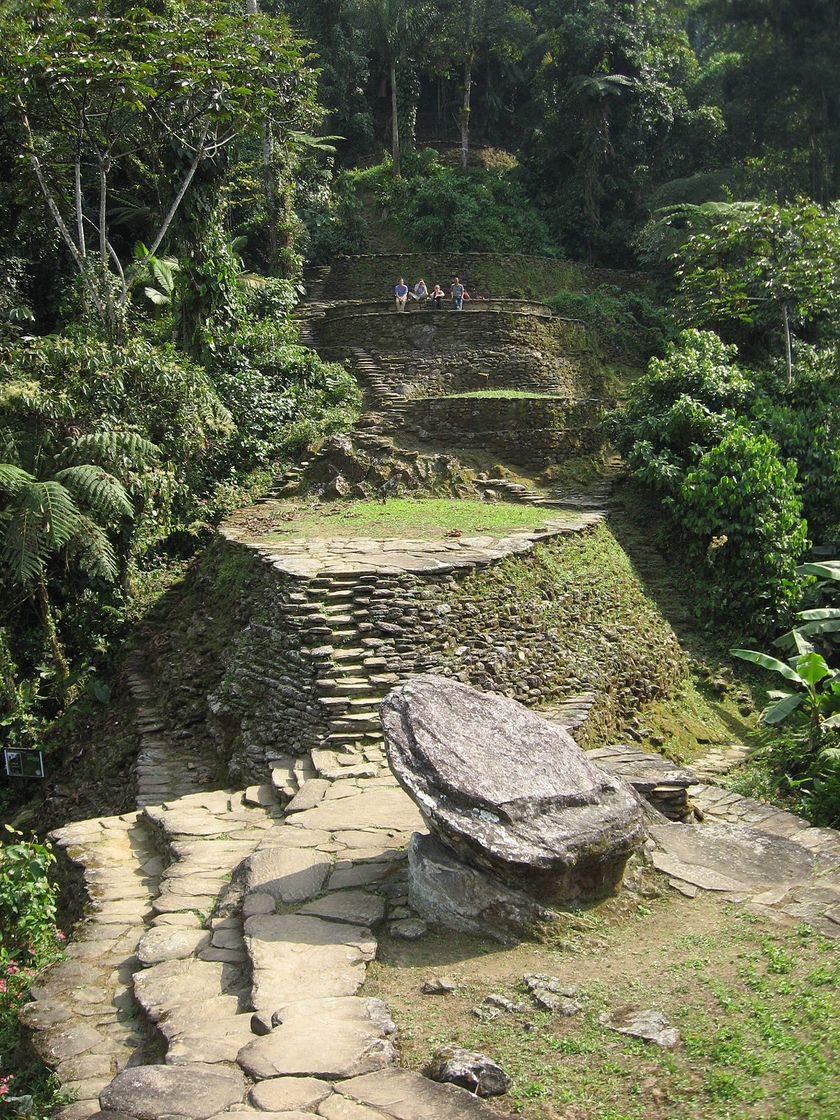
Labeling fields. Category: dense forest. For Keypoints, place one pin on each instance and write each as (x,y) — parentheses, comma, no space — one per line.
(168,171)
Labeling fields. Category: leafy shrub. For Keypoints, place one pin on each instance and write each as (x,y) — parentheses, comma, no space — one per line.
(626,323)
(279,393)
(29,940)
(740,515)
(681,408)
(803,420)
(439,207)
(336,223)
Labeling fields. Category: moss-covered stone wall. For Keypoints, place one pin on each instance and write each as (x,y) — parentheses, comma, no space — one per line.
(392,333)
(496,275)
(257,666)
(532,431)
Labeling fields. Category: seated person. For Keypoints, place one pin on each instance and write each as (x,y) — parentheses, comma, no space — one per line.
(400,294)
(437,297)
(420,292)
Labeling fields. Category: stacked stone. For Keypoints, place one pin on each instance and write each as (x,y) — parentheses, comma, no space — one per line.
(655,778)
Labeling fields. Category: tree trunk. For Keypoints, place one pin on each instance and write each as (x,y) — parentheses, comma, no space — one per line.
(788,349)
(395,124)
(465,114)
(77,194)
(52,206)
(50,629)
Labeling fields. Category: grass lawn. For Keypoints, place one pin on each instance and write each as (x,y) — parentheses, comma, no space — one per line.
(396,517)
(757,1006)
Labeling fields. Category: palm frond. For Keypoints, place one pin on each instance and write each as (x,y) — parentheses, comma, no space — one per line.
(97,490)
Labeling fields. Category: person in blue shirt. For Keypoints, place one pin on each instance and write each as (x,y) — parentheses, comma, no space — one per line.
(401,294)
(457,293)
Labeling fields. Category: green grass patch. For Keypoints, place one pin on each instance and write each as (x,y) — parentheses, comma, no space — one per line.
(502,394)
(398,517)
(756,1006)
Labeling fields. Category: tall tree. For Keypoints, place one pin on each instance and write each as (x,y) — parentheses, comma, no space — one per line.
(395,28)
(93,93)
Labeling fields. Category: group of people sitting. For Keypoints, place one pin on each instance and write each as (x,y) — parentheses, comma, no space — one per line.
(420,294)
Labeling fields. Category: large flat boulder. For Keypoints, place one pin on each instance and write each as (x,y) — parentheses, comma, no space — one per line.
(509,792)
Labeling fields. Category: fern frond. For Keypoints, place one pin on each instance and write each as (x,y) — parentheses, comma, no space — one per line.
(93,550)
(98,491)
(42,520)
(110,448)
(13,479)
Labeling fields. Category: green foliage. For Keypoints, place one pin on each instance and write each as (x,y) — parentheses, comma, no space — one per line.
(803,420)
(29,940)
(439,207)
(740,517)
(27,900)
(765,267)
(626,323)
(681,408)
(280,394)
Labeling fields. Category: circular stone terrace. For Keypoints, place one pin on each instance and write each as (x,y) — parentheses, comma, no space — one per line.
(401,535)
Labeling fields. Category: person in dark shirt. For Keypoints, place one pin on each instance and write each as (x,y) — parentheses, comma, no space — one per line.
(437,297)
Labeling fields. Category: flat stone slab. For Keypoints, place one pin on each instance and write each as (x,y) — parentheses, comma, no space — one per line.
(323,1038)
(298,952)
(210,1042)
(288,874)
(164,987)
(410,1096)
(356,907)
(731,858)
(383,807)
(153,1092)
(168,943)
(285,1094)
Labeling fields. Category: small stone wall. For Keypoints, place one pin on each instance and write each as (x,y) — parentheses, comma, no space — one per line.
(488,274)
(464,371)
(532,431)
(439,333)
(367,307)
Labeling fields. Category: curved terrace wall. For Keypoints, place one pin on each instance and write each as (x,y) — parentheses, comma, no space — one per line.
(509,275)
(531,431)
(438,332)
(539,626)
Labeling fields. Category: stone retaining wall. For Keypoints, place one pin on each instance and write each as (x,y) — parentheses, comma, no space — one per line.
(463,371)
(531,431)
(392,333)
(366,307)
(523,626)
(489,274)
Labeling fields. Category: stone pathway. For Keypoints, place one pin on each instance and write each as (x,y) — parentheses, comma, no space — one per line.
(82,1014)
(163,770)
